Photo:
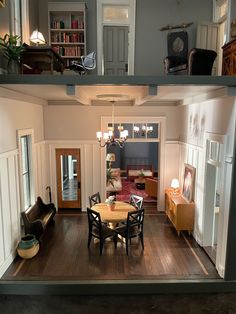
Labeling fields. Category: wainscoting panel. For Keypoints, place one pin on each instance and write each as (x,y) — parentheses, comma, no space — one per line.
(9,207)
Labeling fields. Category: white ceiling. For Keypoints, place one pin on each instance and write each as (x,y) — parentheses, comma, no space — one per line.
(137,95)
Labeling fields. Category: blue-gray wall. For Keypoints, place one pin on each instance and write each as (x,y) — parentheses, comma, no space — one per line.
(135,154)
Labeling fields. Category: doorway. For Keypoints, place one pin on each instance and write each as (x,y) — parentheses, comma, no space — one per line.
(115,50)
(212,208)
(113,14)
(68,178)
(212,197)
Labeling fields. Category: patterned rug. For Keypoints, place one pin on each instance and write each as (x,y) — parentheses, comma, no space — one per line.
(128,187)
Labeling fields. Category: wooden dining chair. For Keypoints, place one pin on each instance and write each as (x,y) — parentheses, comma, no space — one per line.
(94,199)
(133,228)
(136,201)
(97,229)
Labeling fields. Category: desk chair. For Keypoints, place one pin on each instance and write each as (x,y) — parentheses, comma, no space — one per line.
(87,63)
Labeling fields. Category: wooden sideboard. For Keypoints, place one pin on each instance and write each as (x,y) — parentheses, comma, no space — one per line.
(179,211)
(229,58)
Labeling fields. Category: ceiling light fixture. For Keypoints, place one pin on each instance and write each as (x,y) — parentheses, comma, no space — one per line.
(144,129)
(108,138)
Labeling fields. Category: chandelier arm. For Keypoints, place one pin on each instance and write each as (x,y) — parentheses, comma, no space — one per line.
(102,145)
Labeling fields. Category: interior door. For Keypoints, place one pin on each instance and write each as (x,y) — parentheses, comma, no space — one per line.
(208,37)
(68,178)
(115,50)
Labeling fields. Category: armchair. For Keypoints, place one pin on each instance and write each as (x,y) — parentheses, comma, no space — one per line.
(200,62)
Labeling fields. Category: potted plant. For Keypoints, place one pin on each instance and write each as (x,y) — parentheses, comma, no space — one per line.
(12,51)
(110,177)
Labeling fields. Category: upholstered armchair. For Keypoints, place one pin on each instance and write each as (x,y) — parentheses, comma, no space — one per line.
(200,62)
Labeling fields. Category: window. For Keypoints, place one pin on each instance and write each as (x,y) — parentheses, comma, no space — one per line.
(26,169)
(25,141)
(221,13)
(115,13)
(20,19)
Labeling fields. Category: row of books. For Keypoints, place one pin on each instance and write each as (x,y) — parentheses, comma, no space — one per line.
(67,37)
(74,51)
(75,24)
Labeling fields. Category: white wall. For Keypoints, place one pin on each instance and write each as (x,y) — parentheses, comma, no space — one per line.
(16,115)
(218,117)
(82,122)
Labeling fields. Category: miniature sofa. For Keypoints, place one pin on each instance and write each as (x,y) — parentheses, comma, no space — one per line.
(37,217)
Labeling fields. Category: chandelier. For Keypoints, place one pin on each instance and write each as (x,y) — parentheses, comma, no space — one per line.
(143,130)
(108,138)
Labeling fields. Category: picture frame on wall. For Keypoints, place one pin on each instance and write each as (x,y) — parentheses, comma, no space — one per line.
(188,182)
(2,3)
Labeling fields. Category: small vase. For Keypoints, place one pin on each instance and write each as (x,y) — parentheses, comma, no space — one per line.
(28,247)
(13,67)
(111,207)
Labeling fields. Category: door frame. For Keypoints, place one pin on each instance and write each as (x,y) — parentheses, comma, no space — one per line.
(161,151)
(68,151)
(221,139)
(53,170)
(131,35)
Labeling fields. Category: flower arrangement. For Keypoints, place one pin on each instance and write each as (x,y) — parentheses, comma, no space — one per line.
(110,200)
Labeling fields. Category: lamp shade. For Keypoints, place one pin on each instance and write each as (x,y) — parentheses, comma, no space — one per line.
(175,184)
(37,37)
(111,157)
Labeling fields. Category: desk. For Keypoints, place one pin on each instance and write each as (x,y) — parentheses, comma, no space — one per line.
(40,58)
(115,216)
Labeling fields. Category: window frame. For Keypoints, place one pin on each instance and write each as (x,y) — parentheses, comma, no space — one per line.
(29,134)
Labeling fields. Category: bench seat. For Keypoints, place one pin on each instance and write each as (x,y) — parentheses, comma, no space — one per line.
(37,217)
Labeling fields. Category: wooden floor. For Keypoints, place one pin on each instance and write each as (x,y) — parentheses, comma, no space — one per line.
(64,254)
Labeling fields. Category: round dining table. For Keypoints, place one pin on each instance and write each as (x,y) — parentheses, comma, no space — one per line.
(118,214)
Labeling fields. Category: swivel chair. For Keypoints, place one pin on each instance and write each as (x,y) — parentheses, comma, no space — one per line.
(87,63)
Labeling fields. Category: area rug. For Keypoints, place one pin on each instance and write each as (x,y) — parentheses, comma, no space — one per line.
(128,187)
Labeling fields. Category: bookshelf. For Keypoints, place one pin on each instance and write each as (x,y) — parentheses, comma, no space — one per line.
(67,29)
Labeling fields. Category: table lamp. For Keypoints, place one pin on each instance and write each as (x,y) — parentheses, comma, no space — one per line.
(110,158)
(175,186)
(37,38)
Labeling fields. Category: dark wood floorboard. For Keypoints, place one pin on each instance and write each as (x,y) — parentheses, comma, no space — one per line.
(64,255)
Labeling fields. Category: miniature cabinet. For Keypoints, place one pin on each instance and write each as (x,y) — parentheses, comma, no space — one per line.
(67,30)
(179,211)
(229,58)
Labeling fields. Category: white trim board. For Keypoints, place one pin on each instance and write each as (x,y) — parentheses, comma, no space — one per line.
(131,38)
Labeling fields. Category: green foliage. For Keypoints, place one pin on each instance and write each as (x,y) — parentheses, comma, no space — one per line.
(141,174)
(110,177)
(10,48)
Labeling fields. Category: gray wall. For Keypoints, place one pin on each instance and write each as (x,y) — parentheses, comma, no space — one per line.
(91,21)
(151,15)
